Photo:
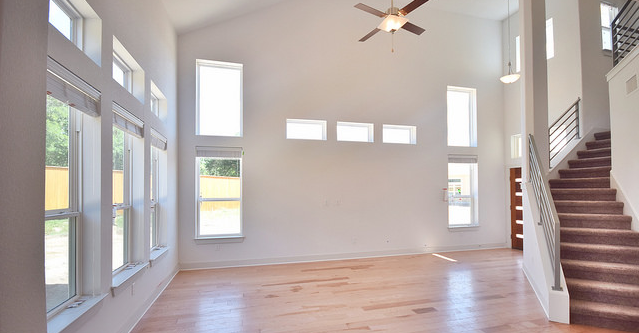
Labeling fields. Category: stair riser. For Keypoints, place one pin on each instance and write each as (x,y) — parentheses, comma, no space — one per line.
(577,173)
(602,276)
(598,144)
(597,224)
(592,209)
(584,196)
(581,183)
(602,135)
(600,239)
(621,257)
(593,153)
(615,324)
(590,296)
(587,163)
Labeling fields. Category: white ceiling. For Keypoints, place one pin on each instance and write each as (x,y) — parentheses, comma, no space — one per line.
(188,15)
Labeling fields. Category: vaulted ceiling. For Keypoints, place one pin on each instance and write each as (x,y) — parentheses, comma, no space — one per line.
(188,15)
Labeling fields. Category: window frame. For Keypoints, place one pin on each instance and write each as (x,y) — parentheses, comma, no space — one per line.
(412,132)
(613,11)
(233,154)
(220,65)
(474,189)
(550,38)
(126,207)
(76,21)
(321,123)
(126,70)
(155,105)
(472,115)
(518,54)
(73,211)
(369,127)
(154,202)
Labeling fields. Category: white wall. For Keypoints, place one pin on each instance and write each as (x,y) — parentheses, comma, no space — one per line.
(382,198)
(623,121)
(22,126)
(143,27)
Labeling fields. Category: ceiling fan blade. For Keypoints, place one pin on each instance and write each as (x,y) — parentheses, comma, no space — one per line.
(413,28)
(370,9)
(370,34)
(412,6)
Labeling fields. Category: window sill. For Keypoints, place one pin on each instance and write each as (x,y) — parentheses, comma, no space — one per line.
(157,253)
(79,314)
(461,227)
(219,240)
(125,277)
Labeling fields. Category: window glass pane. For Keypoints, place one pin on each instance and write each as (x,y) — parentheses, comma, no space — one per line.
(153,228)
(517,54)
(60,20)
(398,134)
(306,129)
(606,39)
(219,218)
(220,100)
(120,226)
(461,193)
(550,39)
(354,132)
(118,165)
(606,20)
(58,262)
(57,155)
(459,118)
(119,74)
(219,178)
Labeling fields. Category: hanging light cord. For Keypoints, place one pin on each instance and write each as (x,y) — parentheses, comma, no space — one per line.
(509,60)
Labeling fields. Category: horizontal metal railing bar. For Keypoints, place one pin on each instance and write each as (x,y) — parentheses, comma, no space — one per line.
(556,152)
(572,125)
(567,110)
(572,116)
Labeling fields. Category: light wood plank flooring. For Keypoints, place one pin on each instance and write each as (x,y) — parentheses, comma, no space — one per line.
(483,291)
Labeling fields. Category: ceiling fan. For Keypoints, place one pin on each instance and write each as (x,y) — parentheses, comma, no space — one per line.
(394,18)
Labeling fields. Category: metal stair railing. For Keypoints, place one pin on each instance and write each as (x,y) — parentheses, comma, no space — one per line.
(548,218)
(564,130)
(625,31)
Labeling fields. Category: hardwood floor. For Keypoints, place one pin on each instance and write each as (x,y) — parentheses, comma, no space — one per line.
(482,291)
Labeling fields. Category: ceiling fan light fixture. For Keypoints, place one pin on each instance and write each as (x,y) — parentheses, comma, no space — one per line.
(392,23)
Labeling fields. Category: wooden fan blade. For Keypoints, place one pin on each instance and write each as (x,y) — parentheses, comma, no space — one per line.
(370,9)
(412,6)
(413,28)
(370,34)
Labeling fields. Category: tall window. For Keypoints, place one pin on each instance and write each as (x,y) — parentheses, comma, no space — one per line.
(550,39)
(462,114)
(158,148)
(219,192)
(121,198)
(219,98)
(608,14)
(66,19)
(518,54)
(462,191)
(62,211)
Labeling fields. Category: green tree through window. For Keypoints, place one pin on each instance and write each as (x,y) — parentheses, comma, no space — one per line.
(219,167)
(57,133)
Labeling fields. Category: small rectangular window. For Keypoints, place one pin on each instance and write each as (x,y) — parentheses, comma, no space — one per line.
(462,191)
(219,98)
(219,192)
(121,72)
(462,114)
(550,39)
(355,132)
(303,129)
(515,146)
(399,134)
(608,14)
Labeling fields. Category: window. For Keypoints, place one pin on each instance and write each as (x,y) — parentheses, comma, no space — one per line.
(302,129)
(67,20)
(462,191)
(356,132)
(399,134)
(550,39)
(219,98)
(158,103)
(462,114)
(219,192)
(62,213)
(158,148)
(121,72)
(515,146)
(608,14)
(518,54)
(126,129)
(155,105)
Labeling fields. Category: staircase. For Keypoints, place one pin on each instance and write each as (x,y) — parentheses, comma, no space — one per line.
(599,252)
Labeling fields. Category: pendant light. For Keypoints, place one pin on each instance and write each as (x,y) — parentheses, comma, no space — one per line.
(510,77)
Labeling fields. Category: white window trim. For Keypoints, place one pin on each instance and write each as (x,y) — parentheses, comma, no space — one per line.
(220,153)
(219,64)
(550,39)
(126,69)
(472,117)
(474,190)
(126,207)
(412,130)
(370,137)
(77,21)
(321,123)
